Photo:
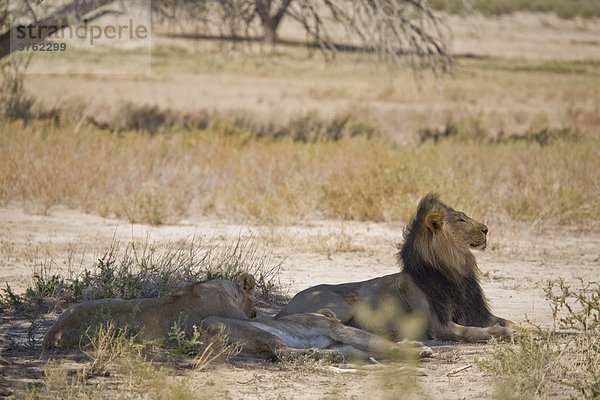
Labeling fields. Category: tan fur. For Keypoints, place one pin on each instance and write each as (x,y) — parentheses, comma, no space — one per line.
(444,238)
(154,317)
(438,285)
(318,335)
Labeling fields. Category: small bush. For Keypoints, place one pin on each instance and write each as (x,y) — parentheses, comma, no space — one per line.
(465,130)
(546,136)
(305,127)
(471,130)
(540,362)
(450,130)
(522,368)
(9,300)
(205,347)
(151,270)
(147,208)
(106,345)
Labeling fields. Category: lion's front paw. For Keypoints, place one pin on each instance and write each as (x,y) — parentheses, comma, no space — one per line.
(499,332)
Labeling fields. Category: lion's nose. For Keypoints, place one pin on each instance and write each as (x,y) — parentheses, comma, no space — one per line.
(484,229)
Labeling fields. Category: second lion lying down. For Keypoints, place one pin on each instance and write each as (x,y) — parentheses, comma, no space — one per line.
(318,335)
(154,317)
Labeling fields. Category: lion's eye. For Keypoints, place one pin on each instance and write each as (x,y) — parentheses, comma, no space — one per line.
(461,219)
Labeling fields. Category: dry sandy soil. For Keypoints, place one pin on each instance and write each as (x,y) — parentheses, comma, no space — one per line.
(516,266)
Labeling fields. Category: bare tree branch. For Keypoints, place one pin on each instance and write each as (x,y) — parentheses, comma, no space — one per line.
(399,31)
(75,11)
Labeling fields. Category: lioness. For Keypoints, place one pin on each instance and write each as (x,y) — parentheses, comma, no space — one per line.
(439,281)
(154,317)
(319,335)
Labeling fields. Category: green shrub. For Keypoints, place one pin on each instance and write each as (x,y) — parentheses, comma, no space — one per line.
(541,361)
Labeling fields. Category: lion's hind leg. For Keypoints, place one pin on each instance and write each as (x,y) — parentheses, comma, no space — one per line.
(253,342)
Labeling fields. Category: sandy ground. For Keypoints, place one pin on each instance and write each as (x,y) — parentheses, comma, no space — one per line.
(526,35)
(516,266)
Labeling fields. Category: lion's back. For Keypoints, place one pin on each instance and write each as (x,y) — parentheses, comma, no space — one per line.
(75,320)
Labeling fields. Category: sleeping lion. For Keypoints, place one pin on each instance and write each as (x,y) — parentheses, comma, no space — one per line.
(155,317)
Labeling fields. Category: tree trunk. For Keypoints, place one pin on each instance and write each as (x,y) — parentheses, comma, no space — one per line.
(270,21)
(270,31)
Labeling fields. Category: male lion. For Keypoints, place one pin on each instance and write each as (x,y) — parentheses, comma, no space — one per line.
(319,335)
(154,317)
(439,282)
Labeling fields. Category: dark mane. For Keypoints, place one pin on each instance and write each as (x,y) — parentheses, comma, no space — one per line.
(453,296)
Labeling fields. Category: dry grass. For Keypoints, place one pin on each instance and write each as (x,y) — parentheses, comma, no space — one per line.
(119,368)
(164,177)
(543,364)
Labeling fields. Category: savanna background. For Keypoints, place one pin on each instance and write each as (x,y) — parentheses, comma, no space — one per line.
(302,166)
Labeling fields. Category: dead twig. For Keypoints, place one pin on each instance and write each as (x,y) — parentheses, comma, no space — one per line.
(458,370)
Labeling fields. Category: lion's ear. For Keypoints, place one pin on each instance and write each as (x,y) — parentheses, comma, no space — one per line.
(434,220)
(246,282)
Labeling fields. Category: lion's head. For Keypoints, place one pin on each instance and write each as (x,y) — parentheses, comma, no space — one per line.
(442,238)
(240,295)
